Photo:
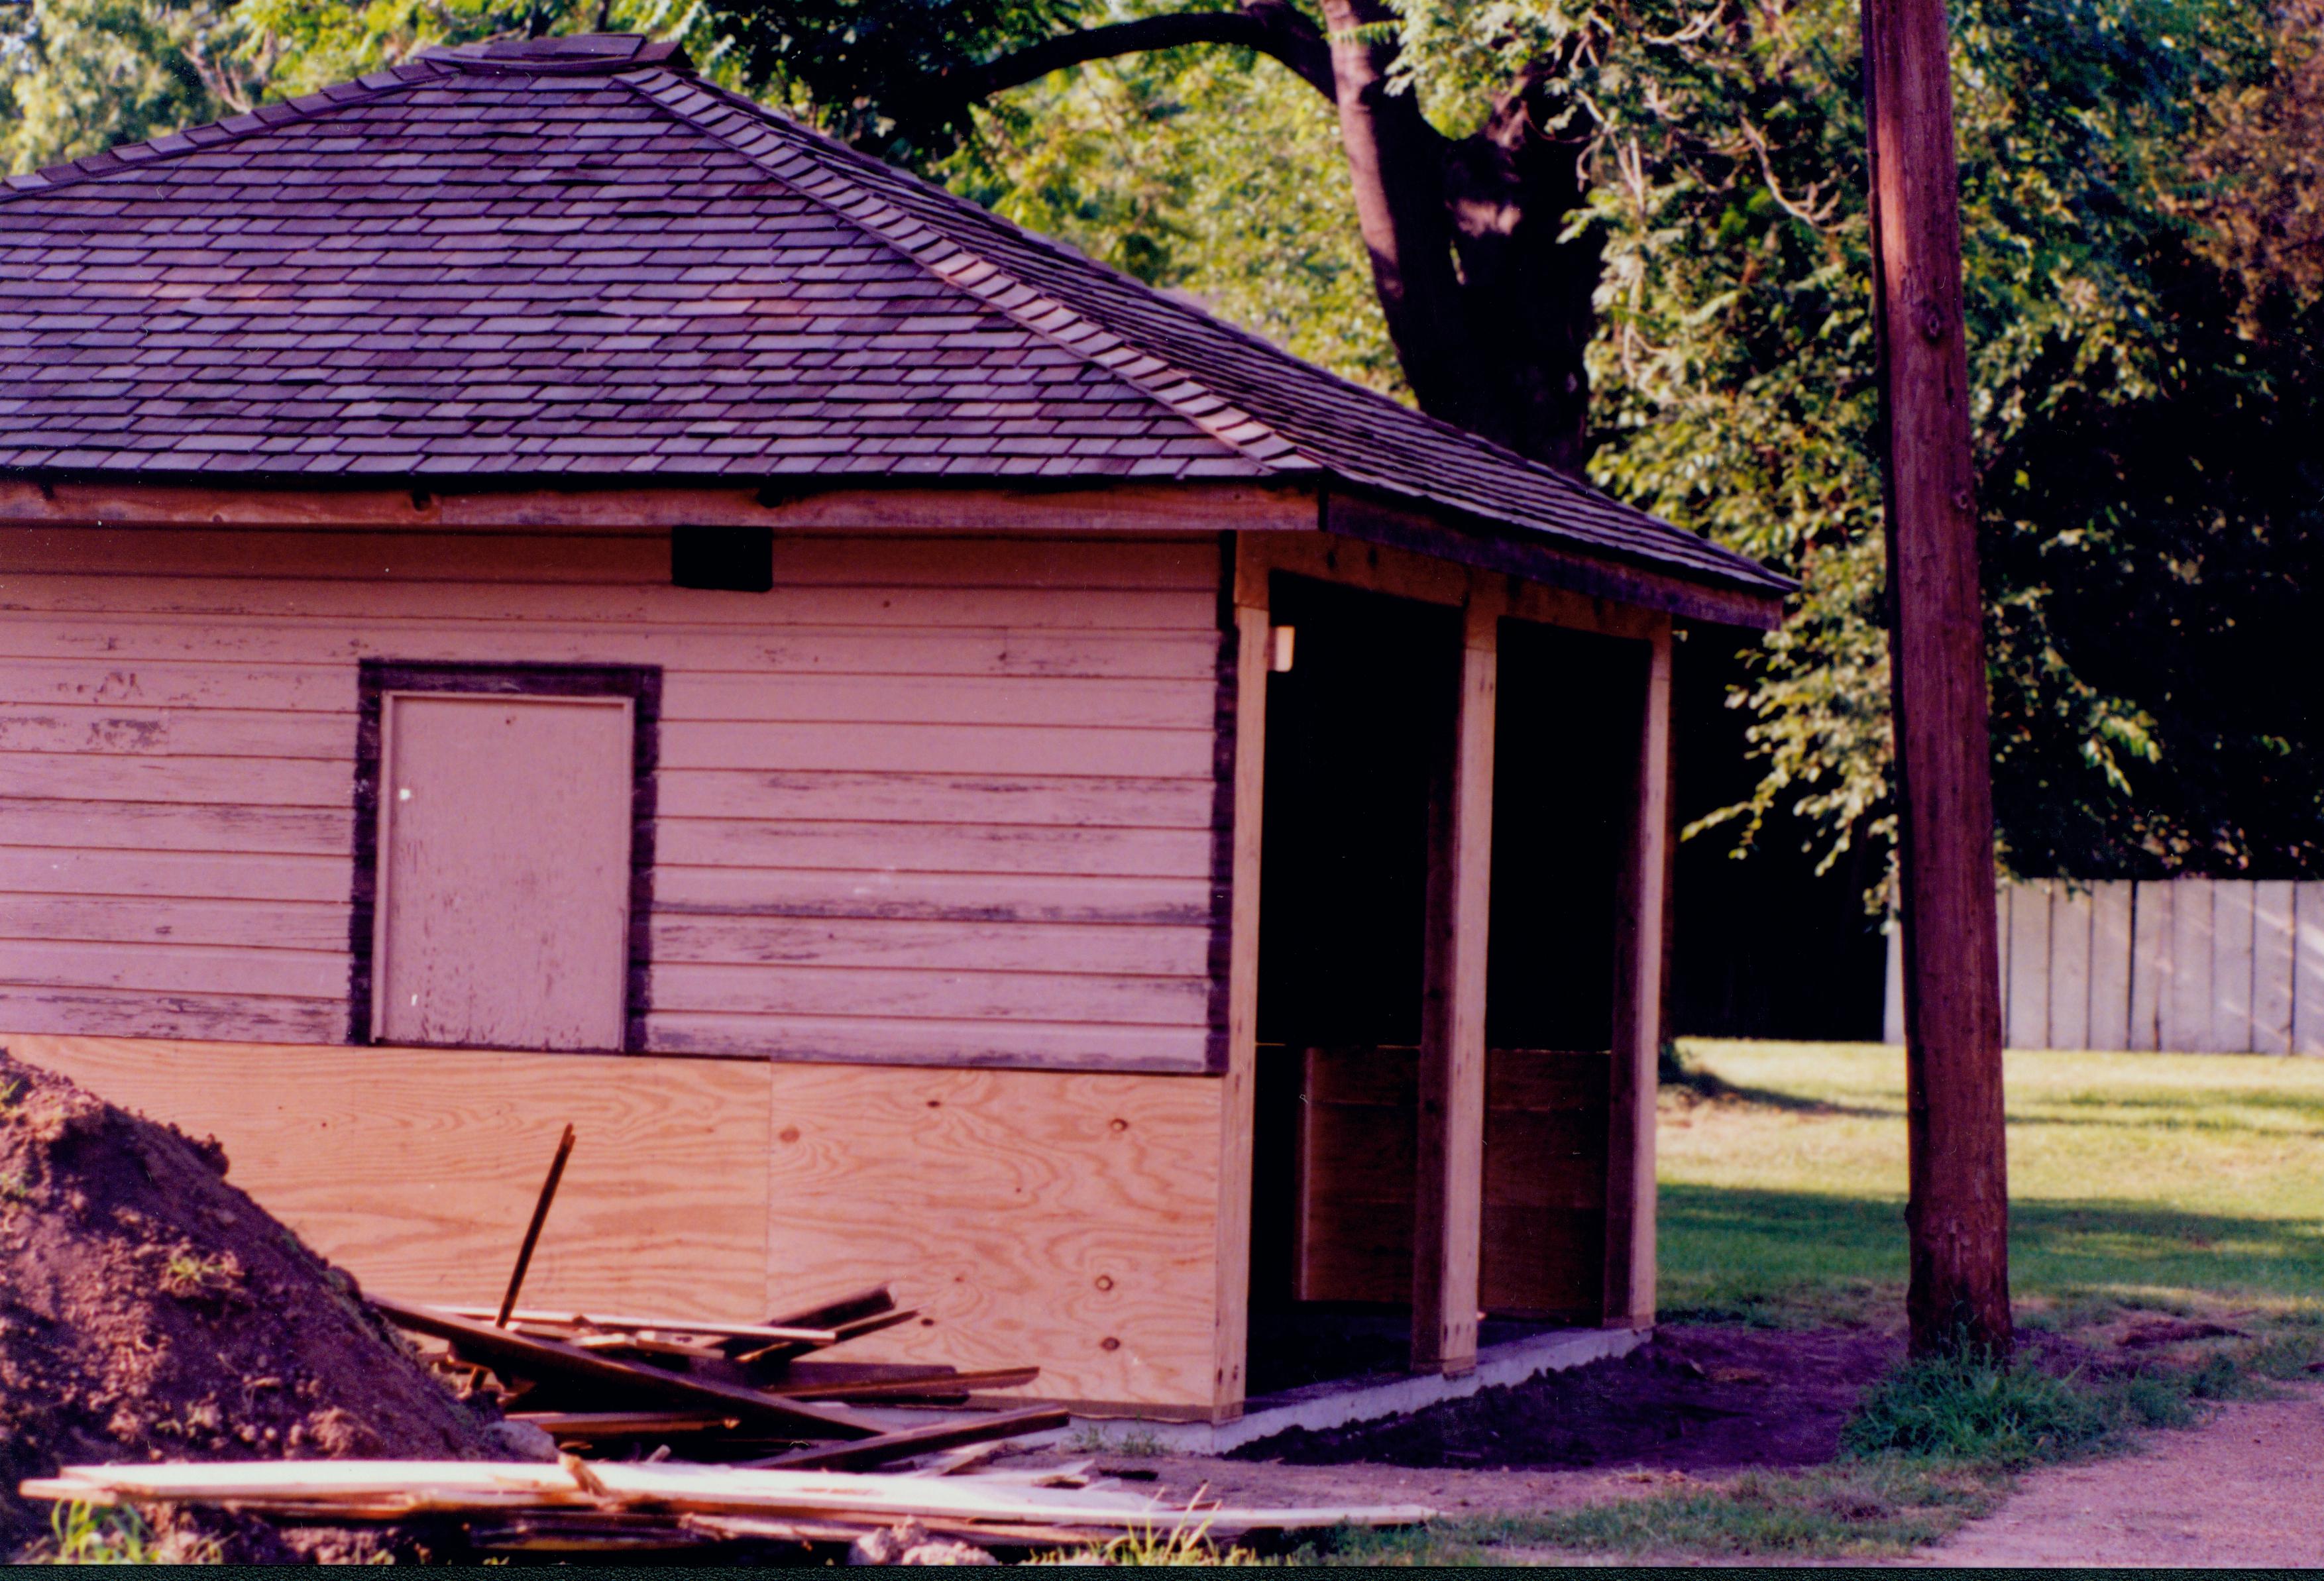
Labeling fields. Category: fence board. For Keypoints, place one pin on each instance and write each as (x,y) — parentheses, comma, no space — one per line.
(2150,971)
(2186,1020)
(2109,1012)
(2027,994)
(2308,970)
(2272,957)
(2231,969)
(2070,966)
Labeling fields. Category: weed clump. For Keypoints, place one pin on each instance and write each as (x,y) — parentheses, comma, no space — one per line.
(1969,1409)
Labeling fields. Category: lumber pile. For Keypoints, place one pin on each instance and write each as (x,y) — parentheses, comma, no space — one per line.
(578,1504)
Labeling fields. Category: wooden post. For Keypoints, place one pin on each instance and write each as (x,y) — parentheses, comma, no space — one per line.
(1639,973)
(1958,1211)
(1448,1200)
(1230,1342)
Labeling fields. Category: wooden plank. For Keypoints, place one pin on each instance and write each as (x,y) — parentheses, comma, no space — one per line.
(1448,1198)
(1202,506)
(204,781)
(2110,964)
(888,1447)
(2187,1007)
(1638,1009)
(1064,849)
(2273,942)
(299,599)
(97,678)
(416,1168)
(892,942)
(2308,968)
(2230,1030)
(1892,999)
(1024,897)
(145,638)
(936,749)
(115,730)
(1069,702)
(192,875)
(530,1356)
(2152,930)
(1381,567)
(1544,1187)
(1231,1253)
(327,831)
(622,554)
(1120,802)
(175,968)
(957,993)
(131,920)
(1067,1220)
(147,1013)
(873,1038)
(2026,998)
(2070,912)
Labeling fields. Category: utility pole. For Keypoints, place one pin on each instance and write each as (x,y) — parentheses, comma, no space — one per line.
(1958,1216)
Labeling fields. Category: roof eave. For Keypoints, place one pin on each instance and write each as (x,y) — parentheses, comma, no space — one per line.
(1685,592)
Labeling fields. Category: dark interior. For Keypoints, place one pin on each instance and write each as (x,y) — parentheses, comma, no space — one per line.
(1356,731)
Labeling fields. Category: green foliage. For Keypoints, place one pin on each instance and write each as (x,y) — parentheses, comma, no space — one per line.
(91,1534)
(1200,172)
(79,76)
(1965,1408)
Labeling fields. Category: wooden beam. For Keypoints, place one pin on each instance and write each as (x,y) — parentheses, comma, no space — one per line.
(1538,558)
(1126,508)
(1410,574)
(1638,969)
(1232,1340)
(1958,1208)
(1448,1202)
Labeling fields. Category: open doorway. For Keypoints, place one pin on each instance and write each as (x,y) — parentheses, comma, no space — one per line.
(1359,738)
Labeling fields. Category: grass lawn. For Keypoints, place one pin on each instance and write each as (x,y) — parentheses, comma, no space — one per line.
(2178,1181)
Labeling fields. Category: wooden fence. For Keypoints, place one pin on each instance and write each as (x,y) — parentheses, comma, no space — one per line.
(2190,965)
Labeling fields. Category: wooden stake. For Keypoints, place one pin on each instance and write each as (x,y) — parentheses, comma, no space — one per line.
(532,1230)
(1958,1212)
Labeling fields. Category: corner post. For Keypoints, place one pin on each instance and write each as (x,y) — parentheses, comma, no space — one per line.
(1448,1203)
(1246,571)
(1639,969)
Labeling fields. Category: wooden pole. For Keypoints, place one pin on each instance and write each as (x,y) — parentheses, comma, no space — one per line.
(1958,1213)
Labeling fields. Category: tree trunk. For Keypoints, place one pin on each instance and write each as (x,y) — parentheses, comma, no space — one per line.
(1958,1214)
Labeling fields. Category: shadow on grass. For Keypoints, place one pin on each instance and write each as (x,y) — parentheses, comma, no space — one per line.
(1725,1249)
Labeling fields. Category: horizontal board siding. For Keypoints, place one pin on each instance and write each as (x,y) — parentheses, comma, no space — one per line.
(942,801)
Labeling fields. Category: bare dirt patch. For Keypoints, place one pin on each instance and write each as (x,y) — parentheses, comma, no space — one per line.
(2246,1489)
(149,1310)
(1697,1403)
(1696,1398)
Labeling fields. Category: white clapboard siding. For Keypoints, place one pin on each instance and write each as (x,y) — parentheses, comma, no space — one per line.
(932,800)
(2185,965)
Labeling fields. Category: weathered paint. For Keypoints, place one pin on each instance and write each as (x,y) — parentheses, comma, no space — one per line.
(932,800)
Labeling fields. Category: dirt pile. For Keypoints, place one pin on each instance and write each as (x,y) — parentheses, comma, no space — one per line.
(148,1311)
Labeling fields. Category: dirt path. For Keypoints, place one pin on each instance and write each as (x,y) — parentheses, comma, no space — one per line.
(2246,1489)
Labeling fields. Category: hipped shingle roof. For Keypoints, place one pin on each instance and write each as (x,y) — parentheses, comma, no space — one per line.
(574,257)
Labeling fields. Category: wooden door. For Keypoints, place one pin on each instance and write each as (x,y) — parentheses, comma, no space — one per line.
(504,830)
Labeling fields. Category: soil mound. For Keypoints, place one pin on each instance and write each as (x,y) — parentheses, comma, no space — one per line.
(149,1311)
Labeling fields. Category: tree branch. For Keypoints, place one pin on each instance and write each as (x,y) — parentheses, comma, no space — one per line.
(1275,28)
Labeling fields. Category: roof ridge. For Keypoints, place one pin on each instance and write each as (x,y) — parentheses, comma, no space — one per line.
(249,123)
(1181,391)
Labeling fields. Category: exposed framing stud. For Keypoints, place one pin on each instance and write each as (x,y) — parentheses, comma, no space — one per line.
(1639,969)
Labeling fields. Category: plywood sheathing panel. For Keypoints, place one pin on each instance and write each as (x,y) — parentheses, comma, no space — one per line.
(417,1168)
(1068,1219)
